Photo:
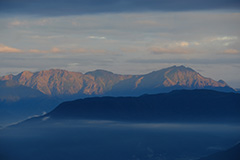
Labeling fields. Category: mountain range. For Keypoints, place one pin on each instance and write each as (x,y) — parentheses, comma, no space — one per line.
(27,94)
(56,82)
(174,95)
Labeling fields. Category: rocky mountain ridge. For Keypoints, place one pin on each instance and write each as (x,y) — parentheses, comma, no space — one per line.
(56,82)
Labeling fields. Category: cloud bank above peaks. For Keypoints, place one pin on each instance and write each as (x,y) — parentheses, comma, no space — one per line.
(78,7)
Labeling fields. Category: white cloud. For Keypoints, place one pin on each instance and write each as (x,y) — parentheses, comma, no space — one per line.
(182,44)
(224,38)
(7,49)
(96,37)
(73,64)
(38,22)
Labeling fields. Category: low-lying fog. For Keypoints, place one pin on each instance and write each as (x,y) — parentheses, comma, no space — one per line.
(107,140)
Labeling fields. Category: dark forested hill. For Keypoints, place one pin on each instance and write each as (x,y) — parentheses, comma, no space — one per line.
(176,106)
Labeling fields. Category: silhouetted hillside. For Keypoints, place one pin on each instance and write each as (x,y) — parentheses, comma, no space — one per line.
(176,106)
(230,154)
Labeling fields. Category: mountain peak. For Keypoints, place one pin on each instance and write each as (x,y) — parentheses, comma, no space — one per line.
(100,82)
(180,68)
(98,72)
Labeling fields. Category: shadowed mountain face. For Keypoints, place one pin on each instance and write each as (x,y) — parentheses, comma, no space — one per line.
(177,106)
(13,91)
(60,82)
(17,102)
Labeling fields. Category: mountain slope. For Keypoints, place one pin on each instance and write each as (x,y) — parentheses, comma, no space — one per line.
(12,91)
(230,154)
(17,102)
(177,106)
(60,82)
(169,79)
(50,82)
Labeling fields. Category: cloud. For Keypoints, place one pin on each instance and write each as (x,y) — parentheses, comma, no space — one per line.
(77,7)
(201,61)
(78,50)
(224,38)
(181,47)
(183,44)
(45,118)
(53,50)
(176,50)
(231,51)
(16,23)
(131,49)
(84,50)
(36,22)
(46,37)
(73,64)
(7,49)
(96,37)
(36,51)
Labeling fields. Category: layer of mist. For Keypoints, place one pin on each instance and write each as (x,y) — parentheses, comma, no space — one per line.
(110,140)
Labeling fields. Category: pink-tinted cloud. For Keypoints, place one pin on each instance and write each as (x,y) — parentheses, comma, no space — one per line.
(78,50)
(231,51)
(53,50)
(7,49)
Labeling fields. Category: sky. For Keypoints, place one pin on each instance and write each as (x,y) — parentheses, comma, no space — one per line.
(121,36)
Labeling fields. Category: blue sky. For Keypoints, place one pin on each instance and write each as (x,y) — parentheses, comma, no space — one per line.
(127,37)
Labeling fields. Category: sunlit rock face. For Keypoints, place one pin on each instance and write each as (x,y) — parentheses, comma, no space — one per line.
(61,82)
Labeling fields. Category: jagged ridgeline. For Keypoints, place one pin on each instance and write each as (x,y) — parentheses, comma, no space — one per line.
(56,82)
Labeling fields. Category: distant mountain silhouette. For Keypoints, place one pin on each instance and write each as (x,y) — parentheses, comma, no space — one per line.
(230,154)
(176,106)
(57,82)
(15,111)
(17,102)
